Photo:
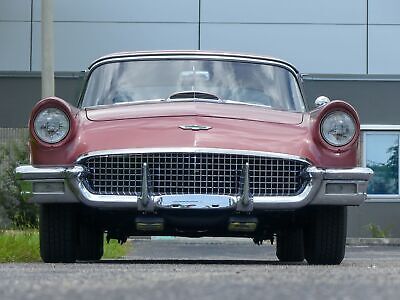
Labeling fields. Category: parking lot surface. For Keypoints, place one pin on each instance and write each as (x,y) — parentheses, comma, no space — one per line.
(207,269)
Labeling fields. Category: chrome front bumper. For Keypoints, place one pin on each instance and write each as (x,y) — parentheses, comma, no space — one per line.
(65,185)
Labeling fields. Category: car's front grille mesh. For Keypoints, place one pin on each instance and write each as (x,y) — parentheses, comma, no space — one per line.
(193,173)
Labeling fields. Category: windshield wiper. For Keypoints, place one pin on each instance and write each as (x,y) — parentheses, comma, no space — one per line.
(184,95)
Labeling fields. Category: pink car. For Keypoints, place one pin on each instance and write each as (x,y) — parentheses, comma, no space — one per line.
(189,143)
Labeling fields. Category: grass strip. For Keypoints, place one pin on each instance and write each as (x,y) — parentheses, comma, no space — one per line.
(23,246)
(19,246)
(114,250)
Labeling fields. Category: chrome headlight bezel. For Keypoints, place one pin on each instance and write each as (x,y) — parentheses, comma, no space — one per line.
(338,128)
(51,125)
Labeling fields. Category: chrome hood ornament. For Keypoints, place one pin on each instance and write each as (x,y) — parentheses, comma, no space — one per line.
(194,127)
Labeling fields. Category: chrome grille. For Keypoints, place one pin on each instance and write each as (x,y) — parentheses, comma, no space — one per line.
(193,173)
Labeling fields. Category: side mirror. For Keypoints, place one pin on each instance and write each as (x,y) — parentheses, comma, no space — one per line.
(321,101)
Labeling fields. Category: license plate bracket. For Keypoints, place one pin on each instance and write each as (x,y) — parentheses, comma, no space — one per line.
(195,201)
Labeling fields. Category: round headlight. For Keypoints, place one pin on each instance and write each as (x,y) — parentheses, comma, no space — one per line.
(51,125)
(338,128)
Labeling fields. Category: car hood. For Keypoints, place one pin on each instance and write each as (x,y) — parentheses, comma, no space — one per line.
(228,127)
(193,109)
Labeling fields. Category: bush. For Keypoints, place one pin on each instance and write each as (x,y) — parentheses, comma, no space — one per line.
(14,205)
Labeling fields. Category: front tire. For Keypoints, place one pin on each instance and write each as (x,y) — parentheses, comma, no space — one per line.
(290,245)
(91,242)
(58,233)
(325,235)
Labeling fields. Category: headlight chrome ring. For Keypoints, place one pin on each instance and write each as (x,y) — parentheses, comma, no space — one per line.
(338,128)
(51,125)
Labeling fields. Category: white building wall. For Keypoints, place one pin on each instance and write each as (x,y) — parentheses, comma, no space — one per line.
(384,36)
(15,16)
(85,30)
(318,36)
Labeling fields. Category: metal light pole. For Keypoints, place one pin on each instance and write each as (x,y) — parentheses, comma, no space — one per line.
(47,49)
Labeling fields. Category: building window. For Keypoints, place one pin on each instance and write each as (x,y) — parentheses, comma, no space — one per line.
(381,154)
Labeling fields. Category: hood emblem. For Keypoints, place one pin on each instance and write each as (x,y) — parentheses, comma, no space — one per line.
(194,127)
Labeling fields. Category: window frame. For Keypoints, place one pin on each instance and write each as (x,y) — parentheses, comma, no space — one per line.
(380,130)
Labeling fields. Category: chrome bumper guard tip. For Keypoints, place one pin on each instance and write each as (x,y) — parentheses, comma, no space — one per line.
(325,187)
(340,186)
(49,184)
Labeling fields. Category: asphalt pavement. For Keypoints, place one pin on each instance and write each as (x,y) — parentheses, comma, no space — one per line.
(207,269)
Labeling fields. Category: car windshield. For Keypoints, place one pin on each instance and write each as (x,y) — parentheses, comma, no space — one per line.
(230,81)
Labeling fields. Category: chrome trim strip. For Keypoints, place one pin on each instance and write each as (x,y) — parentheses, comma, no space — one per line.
(292,202)
(380,127)
(102,200)
(351,77)
(193,55)
(191,150)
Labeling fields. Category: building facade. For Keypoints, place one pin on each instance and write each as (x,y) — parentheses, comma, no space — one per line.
(318,36)
(348,49)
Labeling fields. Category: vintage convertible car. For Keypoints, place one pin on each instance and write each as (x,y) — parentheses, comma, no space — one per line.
(190,143)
